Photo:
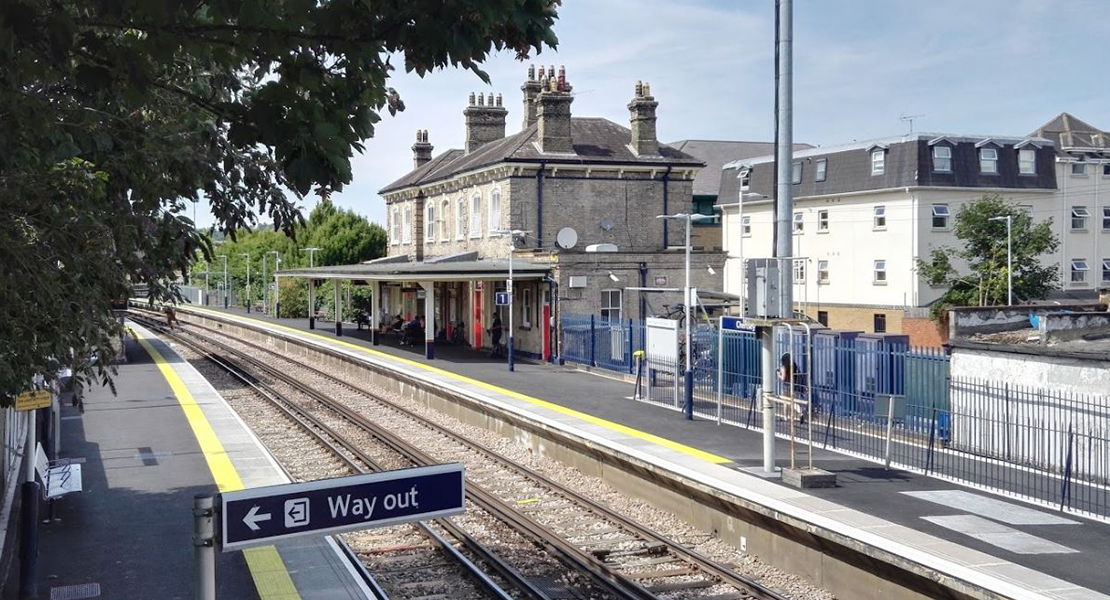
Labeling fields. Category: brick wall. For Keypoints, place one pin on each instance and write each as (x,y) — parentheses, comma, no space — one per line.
(922,331)
(925,332)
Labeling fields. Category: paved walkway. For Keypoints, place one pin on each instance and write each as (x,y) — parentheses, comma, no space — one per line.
(1018,544)
(146,454)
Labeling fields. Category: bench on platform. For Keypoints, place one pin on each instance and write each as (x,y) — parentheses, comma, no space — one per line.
(59,478)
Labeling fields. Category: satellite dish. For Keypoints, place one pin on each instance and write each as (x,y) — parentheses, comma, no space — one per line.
(566,238)
(607,224)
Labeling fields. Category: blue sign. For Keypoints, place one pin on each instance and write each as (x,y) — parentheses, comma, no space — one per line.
(734,324)
(262,515)
(502,298)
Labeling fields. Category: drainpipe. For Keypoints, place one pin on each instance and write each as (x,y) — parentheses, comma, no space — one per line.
(643,284)
(539,205)
(666,211)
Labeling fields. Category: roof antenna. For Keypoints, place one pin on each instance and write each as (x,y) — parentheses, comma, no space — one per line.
(909,119)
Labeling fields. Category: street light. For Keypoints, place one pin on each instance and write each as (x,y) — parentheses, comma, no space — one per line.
(1009,259)
(311,256)
(689,376)
(224,256)
(249,299)
(513,234)
(277,265)
(312,290)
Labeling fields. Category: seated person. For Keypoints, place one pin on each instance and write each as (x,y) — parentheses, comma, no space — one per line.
(458,335)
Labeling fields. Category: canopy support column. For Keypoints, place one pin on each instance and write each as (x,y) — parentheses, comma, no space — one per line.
(375,308)
(429,319)
(311,303)
(338,309)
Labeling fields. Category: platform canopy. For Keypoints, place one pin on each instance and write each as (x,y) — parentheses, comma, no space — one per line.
(443,269)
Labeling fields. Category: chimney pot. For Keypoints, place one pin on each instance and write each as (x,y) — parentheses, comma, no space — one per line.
(471,98)
(531,72)
(421,150)
(485,122)
(498,99)
(642,116)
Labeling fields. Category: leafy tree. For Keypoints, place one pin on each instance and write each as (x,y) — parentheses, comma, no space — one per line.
(115,115)
(975,275)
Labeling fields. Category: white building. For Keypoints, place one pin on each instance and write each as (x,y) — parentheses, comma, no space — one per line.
(864,212)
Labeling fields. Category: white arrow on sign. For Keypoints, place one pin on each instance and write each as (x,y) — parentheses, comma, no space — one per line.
(253,518)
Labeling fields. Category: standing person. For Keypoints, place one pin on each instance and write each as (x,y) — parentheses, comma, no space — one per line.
(495,334)
(792,379)
(171,317)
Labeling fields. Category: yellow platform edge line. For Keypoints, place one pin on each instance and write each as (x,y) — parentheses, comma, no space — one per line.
(268,570)
(611,425)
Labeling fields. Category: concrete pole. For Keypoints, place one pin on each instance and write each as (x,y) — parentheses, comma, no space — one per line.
(204,547)
(375,306)
(311,303)
(265,287)
(1009,262)
(277,286)
(226,286)
(767,370)
(688,376)
(249,299)
(338,308)
(784,159)
(512,246)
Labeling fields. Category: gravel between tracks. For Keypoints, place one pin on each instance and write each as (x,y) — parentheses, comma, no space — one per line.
(661,521)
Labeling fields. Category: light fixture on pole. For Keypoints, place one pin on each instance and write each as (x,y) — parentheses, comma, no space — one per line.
(1009,258)
(247,256)
(613,278)
(311,256)
(688,407)
(513,235)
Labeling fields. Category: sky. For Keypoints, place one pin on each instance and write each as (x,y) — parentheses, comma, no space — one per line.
(992,67)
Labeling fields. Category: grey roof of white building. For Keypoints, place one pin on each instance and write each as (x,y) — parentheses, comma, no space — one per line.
(716,153)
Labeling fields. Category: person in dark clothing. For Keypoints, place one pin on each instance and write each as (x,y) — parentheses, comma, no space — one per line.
(792,379)
(495,335)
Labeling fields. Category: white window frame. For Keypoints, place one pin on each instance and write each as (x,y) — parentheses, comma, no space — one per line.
(823,221)
(745,177)
(799,222)
(796,172)
(1106,270)
(1079,268)
(746,226)
(460,218)
(1079,168)
(444,226)
(799,270)
(878,161)
(526,307)
(821,169)
(430,222)
(878,276)
(495,216)
(1027,161)
(607,306)
(395,226)
(1079,214)
(406,224)
(878,220)
(822,272)
(1106,170)
(939,160)
(1106,218)
(940,211)
(985,161)
(476,215)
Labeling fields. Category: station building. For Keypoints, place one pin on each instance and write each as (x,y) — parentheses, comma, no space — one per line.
(582,195)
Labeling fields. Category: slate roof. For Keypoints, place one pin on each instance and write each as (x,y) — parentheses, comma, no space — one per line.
(716,153)
(596,141)
(426,270)
(1066,131)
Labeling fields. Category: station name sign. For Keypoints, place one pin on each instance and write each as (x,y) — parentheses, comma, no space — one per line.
(263,515)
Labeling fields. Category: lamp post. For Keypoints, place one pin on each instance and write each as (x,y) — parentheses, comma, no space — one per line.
(1009,258)
(277,265)
(312,290)
(513,234)
(311,256)
(265,288)
(688,378)
(224,257)
(247,256)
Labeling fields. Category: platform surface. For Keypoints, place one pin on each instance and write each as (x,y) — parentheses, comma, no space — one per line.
(130,530)
(1004,544)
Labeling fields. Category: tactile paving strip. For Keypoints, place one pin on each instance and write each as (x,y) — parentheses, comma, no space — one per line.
(75,592)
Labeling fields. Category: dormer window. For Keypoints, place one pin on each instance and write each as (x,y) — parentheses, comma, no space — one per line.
(878,161)
(1027,161)
(796,173)
(745,180)
(822,167)
(988,161)
(942,159)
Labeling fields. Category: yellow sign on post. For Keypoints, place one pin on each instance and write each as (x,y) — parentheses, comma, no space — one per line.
(32,400)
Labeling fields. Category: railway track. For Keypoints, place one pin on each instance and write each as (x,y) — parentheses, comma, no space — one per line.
(627,559)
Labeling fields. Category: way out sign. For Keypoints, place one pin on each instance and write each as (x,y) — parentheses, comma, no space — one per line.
(263,515)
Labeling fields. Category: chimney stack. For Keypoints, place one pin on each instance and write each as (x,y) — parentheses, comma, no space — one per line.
(485,121)
(531,89)
(642,109)
(553,113)
(421,150)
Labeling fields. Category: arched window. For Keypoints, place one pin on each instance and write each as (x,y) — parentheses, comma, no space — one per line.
(460,218)
(476,215)
(495,210)
(444,210)
(430,222)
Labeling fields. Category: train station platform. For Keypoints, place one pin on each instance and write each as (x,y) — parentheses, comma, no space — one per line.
(970,541)
(165,436)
